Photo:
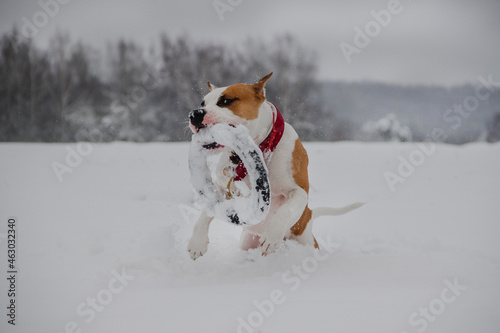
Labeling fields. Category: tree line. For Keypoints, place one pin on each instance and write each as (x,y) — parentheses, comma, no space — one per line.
(71,92)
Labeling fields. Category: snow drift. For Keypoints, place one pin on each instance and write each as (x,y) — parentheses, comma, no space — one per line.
(127,210)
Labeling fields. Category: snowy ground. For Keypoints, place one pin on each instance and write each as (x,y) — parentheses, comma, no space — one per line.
(422,258)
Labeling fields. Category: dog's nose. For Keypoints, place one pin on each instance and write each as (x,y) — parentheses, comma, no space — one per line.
(196,118)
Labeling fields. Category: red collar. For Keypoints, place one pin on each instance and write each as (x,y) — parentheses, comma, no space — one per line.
(274,137)
(267,146)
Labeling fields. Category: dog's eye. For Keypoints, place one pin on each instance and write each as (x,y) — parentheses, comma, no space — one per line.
(202,103)
(224,101)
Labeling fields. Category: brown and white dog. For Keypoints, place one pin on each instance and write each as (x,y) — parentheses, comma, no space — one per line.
(289,216)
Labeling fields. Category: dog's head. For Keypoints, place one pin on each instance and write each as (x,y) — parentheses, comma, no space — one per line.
(238,104)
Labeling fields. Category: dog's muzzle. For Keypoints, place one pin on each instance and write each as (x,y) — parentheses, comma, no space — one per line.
(196,118)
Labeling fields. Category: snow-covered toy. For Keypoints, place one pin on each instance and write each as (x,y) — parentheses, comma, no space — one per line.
(242,209)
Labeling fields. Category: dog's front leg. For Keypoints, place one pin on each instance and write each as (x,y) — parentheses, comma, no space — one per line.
(198,244)
(284,218)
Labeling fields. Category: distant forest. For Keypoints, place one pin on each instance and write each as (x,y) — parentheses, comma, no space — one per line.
(71,92)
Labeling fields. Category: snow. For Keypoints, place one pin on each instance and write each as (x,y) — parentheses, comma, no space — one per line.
(386,129)
(127,210)
(239,210)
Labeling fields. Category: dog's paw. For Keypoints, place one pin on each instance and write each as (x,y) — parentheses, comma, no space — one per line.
(197,247)
(270,244)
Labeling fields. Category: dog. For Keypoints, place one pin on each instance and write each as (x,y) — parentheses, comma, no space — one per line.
(289,216)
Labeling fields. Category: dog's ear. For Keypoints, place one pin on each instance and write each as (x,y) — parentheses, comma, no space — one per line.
(259,86)
(211,86)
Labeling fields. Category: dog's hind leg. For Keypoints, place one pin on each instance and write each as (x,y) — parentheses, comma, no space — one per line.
(302,230)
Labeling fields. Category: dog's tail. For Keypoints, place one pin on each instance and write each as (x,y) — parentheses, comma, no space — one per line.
(334,211)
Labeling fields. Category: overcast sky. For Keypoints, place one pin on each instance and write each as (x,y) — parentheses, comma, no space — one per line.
(445,42)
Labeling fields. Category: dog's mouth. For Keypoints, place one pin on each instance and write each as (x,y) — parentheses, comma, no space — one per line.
(196,128)
(212,146)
